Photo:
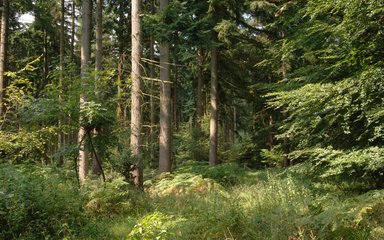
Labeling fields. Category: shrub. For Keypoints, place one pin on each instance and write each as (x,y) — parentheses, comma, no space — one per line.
(38,203)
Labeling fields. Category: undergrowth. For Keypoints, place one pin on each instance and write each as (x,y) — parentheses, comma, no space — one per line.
(194,202)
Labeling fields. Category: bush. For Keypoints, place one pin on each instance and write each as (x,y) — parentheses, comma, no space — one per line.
(37,203)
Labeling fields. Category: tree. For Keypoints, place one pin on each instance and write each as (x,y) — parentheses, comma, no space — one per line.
(85,57)
(165,104)
(96,166)
(3,51)
(136,118)
(213,126)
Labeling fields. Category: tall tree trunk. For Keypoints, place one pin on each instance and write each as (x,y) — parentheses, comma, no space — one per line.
(73,29)
(200,85)
(152,100)
(120,69)
(213,127)
(96,167)
(46,63)
(136,170)
(175,107)
(85,57)
(3,52)
(165,105)
(60,160)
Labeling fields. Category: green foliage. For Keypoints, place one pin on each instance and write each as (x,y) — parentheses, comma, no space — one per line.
(111,198)
(153,226)
(191,143)
(38,203)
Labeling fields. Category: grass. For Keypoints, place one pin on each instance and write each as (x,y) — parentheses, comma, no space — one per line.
(202,202)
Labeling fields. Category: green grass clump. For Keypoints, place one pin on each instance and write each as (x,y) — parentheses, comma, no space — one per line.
(38,203)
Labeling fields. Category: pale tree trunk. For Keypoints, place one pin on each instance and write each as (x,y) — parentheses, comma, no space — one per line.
(213,127)
(136,170)
(96,162)
(60,160)
(85,57)
(165,105)
(3,52)
(73,29)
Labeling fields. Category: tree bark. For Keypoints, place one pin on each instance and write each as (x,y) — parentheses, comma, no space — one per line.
(165,162)
(200,85)
(60,160)
(85,57)
(3,52)
(152,100)
(136,170)
(46,63)
(73,29)
(96,162)
(213,127)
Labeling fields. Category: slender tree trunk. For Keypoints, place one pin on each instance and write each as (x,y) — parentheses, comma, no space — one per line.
(213,127)
(165,162)
(175,107)
(46,63)
(3,52)
(200,85)
(96,168)
(152,101)
(73,29)
(136,170)
(85,57)
(120,69)
(60,160)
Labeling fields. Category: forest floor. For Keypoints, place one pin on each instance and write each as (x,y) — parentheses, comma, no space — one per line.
(194,202)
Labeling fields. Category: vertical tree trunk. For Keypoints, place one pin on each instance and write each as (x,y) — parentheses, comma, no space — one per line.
(85,57)
(175,107)
(46,63)
(165,105)
(96,168)
(152,100)
(3,52)
(136,170)
(200,85)
(60,160)
(73,29)
(213,127)
(120,69)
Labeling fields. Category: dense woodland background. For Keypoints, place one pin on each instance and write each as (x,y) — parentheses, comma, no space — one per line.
(217,119)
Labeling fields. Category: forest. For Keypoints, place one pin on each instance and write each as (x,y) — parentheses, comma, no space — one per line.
(176,119)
